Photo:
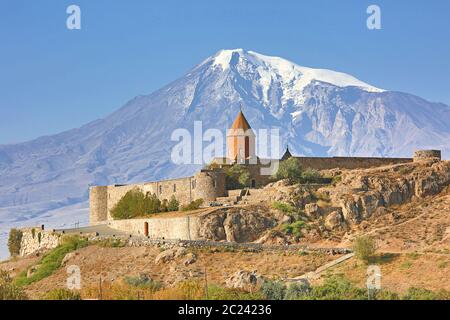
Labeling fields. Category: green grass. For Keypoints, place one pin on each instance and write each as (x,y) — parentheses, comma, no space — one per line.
(51,261)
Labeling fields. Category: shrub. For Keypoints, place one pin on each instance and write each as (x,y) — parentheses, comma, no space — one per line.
(294,229)
(144,282)
(311,176)
(219,293)
(364,248)
(336,287)
(273,290)
(194,205)
(290,169)
(173,204)
(51,261)
(109,243)
(237,177)
(8,290)
(283,207)
(14,242)
(62,294)
(186,290)
(420,294)
(296,291)
(134,203)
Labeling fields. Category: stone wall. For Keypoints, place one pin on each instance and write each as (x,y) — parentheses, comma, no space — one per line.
(320,163)
(175,228)
(427,154)
(37,240)
(206,185)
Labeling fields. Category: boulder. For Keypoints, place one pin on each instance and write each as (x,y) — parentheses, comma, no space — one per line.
(312,210)
(170,254)
(334,220)
(190,259)
(244,280)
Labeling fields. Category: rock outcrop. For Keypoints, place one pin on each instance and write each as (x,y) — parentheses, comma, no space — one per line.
(244,280)
(236,224)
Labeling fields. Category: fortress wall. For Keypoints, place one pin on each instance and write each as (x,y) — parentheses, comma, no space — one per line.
(98,205)
(103,199)
(36,239)
(348,162)
(209,184)
(183,228)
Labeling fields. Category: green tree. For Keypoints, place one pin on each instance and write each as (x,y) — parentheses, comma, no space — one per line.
(291,170)
(134,203)
(173,204)
(364,248)
(237,176)
(14,242)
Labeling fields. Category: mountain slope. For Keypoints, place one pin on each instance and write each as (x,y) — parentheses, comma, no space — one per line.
(320,112)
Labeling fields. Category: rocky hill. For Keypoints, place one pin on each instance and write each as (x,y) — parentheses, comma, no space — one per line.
(320,112)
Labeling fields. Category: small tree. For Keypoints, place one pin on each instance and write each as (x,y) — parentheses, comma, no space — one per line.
(173,204)
(237,176)
(290,169)
(273,290)
(135,203)
(14,242)
(364,248)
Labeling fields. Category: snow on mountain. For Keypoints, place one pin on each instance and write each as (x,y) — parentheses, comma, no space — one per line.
(320,112)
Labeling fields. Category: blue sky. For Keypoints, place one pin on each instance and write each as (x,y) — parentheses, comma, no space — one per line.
(53,79)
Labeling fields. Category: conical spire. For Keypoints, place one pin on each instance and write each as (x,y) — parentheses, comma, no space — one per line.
(241,122)
(287,154)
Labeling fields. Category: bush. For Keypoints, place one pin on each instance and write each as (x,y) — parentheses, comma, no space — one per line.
(219,293)
(364,248)
(283,207)
(421,294)
(51,261)
(173,204)
(14,242)
(8,290)
(311,176)
(237,177)
(291,170)
(336,288)
(134,203)
(194,205)
(294,229)
(296,291)
(143,282)
(273,290)
(62,294)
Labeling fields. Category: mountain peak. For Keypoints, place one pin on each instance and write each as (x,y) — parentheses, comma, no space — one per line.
(275,69)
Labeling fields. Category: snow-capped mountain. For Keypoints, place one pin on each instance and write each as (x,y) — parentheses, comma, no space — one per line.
(320,112)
